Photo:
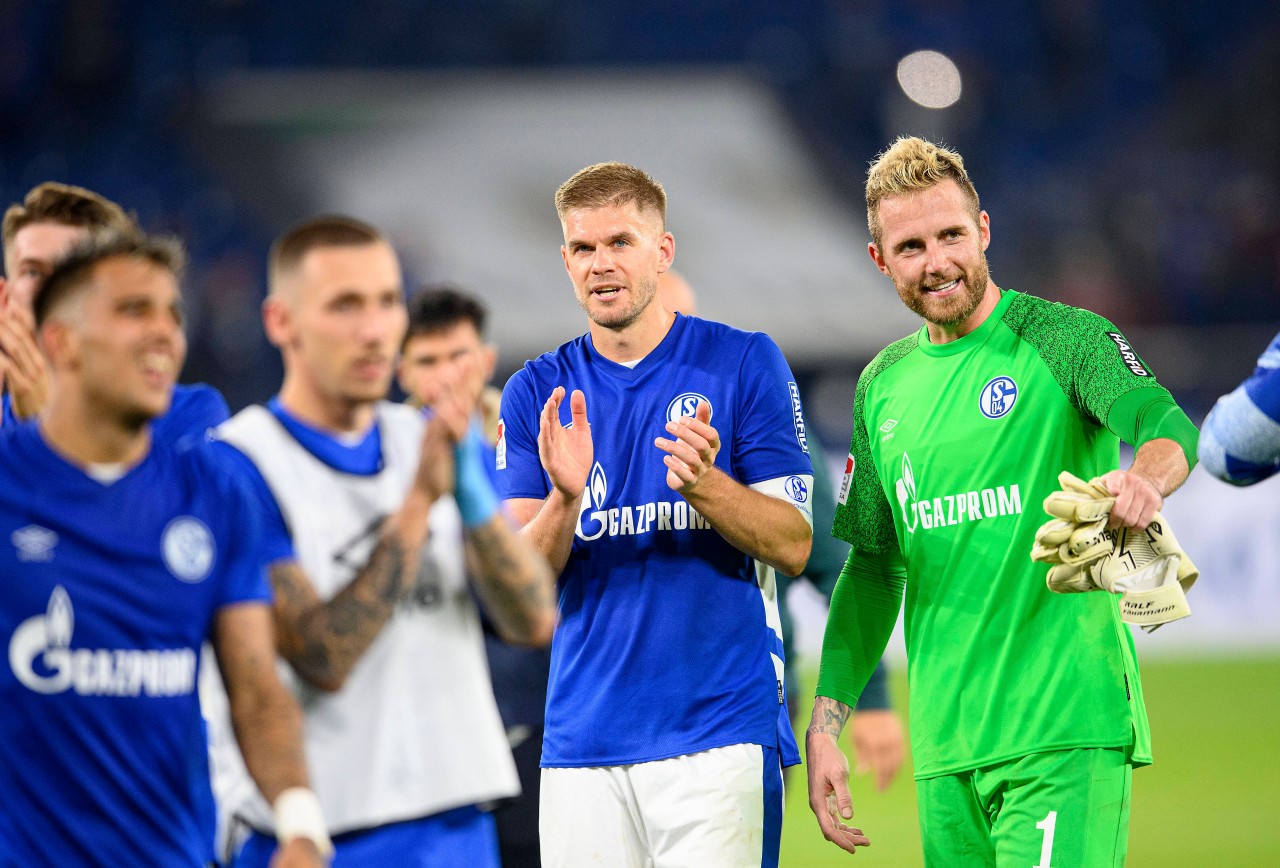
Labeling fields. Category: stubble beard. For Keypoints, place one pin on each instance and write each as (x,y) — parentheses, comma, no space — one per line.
(951,311)
(643,295)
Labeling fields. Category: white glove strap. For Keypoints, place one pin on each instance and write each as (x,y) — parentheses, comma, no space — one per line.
(1150,609)
(298,815)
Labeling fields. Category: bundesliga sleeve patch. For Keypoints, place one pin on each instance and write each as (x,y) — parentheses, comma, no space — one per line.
(846,485)
(500,449)
(1128,356)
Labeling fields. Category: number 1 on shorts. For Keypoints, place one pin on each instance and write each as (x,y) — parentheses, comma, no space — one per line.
(1046,849)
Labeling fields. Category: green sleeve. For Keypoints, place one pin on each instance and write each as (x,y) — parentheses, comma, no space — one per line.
(829,553)
(1147,414)
(864,518)
(864,609)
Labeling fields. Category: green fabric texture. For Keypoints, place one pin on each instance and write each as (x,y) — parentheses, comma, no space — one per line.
(954,448)
(864,608)
(1147,414)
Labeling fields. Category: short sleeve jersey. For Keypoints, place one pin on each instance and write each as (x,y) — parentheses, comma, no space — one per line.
(108,592)
(955,446)
(667,643)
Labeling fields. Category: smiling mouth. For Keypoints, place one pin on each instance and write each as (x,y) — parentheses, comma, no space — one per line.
(946,287)
(606,291)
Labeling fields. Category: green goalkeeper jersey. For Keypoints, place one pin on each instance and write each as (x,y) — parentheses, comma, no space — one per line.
(955,446)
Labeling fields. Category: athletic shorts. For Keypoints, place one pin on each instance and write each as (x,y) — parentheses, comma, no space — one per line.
(720,807)
(1061,809)
(460,838)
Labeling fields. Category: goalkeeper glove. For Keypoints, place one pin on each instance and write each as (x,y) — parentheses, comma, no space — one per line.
(1077,534)
(1147,567)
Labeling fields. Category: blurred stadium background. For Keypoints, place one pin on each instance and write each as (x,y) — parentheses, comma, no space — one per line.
(1128,152)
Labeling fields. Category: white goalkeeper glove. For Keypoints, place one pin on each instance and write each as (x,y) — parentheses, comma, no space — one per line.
(1147,567)
(1076,534)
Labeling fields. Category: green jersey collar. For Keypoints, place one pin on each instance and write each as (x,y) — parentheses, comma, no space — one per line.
(975,338)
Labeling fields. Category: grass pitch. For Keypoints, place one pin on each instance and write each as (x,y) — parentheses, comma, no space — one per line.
(1211,797)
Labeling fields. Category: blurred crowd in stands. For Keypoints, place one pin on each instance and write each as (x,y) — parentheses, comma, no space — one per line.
(1129,151)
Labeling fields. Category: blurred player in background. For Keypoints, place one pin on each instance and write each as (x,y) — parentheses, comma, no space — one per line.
(445,339)
(665,491)
(370,516)
(1240,438)
(876,732)
(37,232)
(1026,706)
(125,555)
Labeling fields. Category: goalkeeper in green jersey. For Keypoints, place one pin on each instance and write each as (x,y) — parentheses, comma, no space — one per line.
(1026,712)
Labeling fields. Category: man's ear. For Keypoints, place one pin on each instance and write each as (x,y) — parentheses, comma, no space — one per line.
(276,322)
(488,361)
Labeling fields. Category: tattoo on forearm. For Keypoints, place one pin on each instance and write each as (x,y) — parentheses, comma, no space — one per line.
(829,716)
(515,585)
(323,640)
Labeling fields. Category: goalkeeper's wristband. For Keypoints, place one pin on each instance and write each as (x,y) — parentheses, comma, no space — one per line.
(298,815)
(477,501)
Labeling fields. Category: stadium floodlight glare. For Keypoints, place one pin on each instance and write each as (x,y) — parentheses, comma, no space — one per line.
(929,78)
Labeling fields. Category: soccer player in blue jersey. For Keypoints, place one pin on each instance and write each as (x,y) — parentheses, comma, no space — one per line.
(378,526)
(1240,438)
(666,490)
(876,731)
(37,232)
(123,555)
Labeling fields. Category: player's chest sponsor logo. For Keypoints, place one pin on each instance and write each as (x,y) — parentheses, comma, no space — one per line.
(1128,356)
(599,518)
(188,549)
(43,659)
(34,543)
(997,397)
(919,508)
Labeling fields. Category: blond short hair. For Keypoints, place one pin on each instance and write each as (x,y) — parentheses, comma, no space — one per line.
(606,184)
(909,165)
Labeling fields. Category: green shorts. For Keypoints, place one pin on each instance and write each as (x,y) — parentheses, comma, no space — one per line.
(1061,809)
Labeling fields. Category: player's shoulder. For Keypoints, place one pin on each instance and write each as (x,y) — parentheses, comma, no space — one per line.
(723,335)
(887,358)
(551,365)
(1037,319)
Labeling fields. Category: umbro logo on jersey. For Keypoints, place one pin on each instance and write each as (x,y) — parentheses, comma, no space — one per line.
(188,549)
(997,397)
(887,430)
(686,404)
(34,543)
(1128,356)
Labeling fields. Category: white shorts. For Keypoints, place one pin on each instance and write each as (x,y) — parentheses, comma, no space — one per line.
(720,808)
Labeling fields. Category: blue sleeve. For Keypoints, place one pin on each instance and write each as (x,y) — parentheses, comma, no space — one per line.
(194,411)
(520,472)
(276,543)
(244,574)
(1240,438)
(770,440)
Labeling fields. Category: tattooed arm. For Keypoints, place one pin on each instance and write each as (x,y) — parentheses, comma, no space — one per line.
(322,640)
(829,774)
(514,582)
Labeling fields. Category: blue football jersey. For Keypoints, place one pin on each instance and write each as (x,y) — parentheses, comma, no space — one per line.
(106,593)
(192,412)
(1240,438)
(665,645)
